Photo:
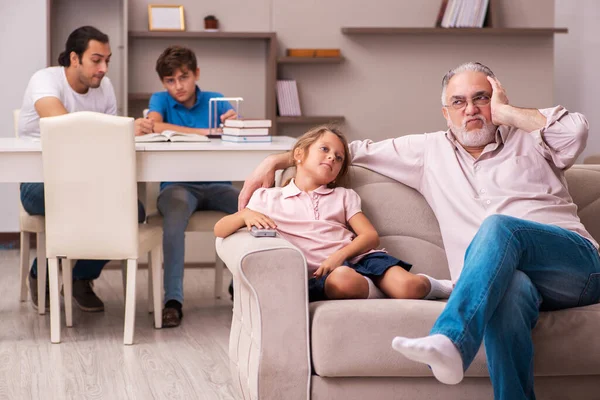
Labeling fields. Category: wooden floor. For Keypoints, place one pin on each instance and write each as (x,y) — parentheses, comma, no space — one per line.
(188,362)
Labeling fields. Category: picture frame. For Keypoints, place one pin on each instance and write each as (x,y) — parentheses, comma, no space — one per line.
(165,18)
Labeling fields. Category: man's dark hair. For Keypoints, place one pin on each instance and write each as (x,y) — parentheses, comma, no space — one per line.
(174,58)
(78,41)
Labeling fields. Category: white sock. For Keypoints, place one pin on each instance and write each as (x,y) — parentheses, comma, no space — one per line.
(440,288)
(374,291)
(438,352)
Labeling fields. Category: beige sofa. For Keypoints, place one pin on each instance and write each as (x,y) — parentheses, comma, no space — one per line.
(282,348)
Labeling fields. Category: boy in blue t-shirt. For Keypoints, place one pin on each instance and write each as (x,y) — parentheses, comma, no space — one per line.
(184,108)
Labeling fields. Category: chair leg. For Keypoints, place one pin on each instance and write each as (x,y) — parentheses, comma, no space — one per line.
(41,272)
(219,266)
(130,302)
(54,301)
(24,261)
(157,284)
(124,276)
(150,285)
(67,275)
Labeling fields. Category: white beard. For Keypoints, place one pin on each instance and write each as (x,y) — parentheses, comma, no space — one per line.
(475,138)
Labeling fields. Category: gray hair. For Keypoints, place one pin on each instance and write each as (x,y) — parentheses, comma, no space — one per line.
(468,66)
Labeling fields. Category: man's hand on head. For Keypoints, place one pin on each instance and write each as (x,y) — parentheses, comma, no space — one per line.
(498,102)
(503,113)
(143,126)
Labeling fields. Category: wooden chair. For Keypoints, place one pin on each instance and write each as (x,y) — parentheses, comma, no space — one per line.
(90,194)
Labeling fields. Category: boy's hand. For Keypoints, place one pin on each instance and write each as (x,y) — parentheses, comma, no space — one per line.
(331,263)
(253,218)
(143,126)
(230,114)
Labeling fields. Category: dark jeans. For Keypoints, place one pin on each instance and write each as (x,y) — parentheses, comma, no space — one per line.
(177,202)
(32,198)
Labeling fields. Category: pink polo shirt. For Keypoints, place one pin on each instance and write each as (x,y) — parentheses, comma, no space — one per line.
(315,222)
(521,174)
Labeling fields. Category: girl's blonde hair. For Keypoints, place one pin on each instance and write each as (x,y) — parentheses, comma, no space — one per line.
(306,140)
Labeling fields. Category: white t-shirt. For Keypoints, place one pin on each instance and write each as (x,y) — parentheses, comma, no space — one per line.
(52,82)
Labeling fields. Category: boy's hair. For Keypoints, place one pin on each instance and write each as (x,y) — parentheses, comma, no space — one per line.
(306,140)
(78,41)
(174,58)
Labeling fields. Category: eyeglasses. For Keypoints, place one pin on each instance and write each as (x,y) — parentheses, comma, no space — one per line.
(478,101)
(181,79)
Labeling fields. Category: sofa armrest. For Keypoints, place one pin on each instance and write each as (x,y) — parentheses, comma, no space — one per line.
(269,342)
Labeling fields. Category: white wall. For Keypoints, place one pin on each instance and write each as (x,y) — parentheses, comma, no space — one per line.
(388,86)
(23,44)
(577,63)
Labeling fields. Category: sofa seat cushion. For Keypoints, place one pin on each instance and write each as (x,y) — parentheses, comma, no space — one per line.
(352,338)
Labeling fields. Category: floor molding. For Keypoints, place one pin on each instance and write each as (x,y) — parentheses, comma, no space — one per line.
(11,240)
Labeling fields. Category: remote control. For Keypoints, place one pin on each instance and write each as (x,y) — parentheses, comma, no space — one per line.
(259,232)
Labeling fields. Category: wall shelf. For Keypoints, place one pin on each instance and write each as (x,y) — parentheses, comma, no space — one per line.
(453,31)
(310,119)
(310,60)
(202,35)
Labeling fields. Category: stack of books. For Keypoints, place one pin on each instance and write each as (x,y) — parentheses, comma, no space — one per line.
(246,130)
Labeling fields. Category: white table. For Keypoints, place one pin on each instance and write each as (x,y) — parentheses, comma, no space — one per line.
(21,160)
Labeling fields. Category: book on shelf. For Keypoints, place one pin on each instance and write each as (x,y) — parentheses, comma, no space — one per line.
(288,101)
(247,123)
(440,16)
(246,139)
(171,136)
(463,13)
(245,131)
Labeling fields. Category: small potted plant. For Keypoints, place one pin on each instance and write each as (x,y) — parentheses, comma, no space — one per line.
(211,23)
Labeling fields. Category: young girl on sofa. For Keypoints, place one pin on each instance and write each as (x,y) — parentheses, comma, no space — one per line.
(324,220)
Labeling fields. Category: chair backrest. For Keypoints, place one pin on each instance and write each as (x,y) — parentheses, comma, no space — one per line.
(16,114)
(90,186)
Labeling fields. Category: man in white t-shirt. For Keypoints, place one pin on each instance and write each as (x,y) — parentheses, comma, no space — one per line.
(78,84)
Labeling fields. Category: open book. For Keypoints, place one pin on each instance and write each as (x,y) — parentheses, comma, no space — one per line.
(171,136)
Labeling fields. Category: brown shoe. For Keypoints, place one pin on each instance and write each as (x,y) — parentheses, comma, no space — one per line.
(85,298)
(172,314)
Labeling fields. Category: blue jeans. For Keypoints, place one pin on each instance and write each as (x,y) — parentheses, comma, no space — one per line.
(177,202)
(513,269)
(32,198)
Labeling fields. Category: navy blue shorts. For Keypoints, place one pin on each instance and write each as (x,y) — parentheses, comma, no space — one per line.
(371,265)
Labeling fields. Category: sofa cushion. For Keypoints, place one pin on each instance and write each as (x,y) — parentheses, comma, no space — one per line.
(352,338)
(406,224)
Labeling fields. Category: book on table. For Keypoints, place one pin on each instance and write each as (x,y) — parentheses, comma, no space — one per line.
(171,136)
(245,131)
(247,123)
(245,139)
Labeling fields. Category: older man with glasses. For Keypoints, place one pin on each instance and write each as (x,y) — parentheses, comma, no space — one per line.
(514,242)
